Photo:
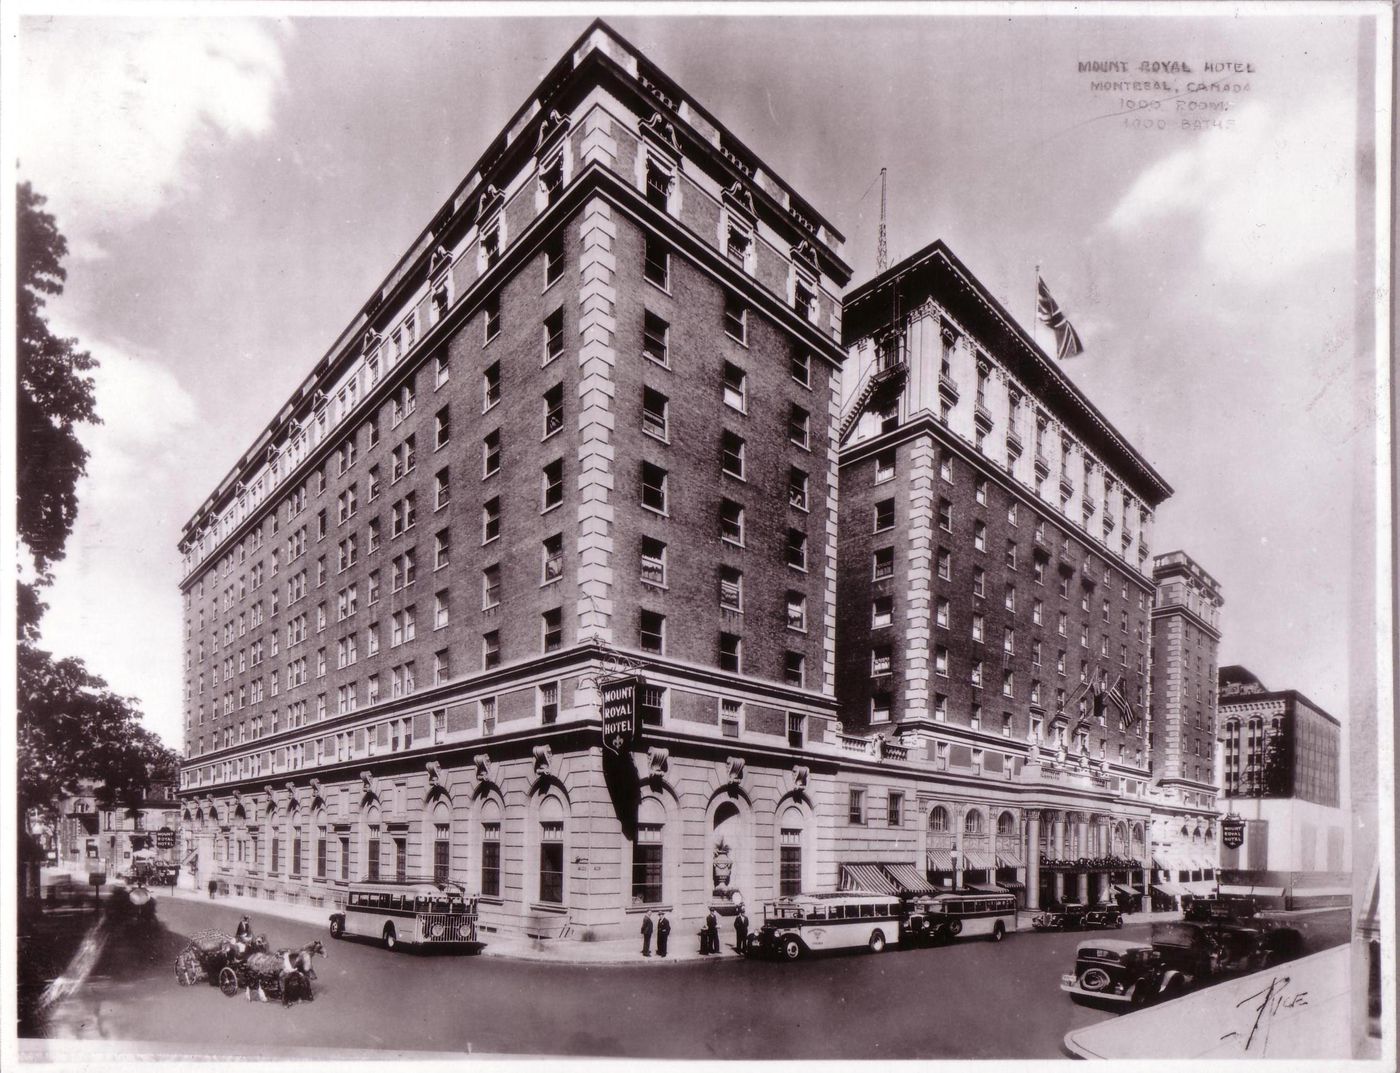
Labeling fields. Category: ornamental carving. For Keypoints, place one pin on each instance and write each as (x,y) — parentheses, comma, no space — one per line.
(660,130)
(440,261)
(806,253)
(739,197)
(491,200)
(801,775)
(481,764)
(554,126)
(543,754)
(736,769)
(658,761)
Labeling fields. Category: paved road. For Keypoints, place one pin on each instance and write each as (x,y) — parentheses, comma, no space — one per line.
(973,999)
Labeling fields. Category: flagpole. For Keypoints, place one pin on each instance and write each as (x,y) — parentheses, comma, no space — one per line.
(1035,307)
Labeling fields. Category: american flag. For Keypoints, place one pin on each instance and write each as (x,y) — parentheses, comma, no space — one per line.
(1067,343)
(1128,717)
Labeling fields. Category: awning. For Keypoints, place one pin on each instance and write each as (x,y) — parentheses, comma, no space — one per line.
(866,877)
(1010,859)
(1172,890)
(1201,888)
(1011,884)
(908,879)
(978,859)
(1261,892)
(986,888)
(1163,863)
(1125,888)
(940,860)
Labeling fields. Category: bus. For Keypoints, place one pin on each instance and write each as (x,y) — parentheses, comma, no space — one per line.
(415,912)
(942,917)
(805,923)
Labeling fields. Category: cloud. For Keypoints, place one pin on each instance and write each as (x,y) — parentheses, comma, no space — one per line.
(1270,195)
(115,599)
(115,109)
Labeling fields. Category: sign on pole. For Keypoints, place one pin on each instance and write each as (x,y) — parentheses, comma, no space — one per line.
(1232,832)
(619,707)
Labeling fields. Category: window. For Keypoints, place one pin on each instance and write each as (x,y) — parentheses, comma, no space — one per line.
(729,713)
(790,861)
(491,453)
(882,611)
(653,487)
(493,317)
(552,629)
(884,466)
(797,730)
(796,611)
(552,862)
(732,455)
(404,514)
(894,813)
(647,865)
(491,587)
(978,627)
(799,426)
(794,668)
(980,490)
(552,485)
(491,386)
(731,522)
(731,589)
(553,260)
(881,661)
(548,699)
(442,549)
(442,429)
(658,183)
(884,563)
(945,567)
(945,516)
(552,559)
(735,387)
(797,489)
(738,239)
(657,262)
(655,407)
(884,515)
(735,318)
(731,650)
(1008,683)
(490,650)
(491,860)
(855,810)
(653,705)
(1011,554)
(940,661)
(442,489)
(796,551)
(800,367)
(654,338)
(553,335)
(652,631)
(490,521)
(347,504)
(979,536)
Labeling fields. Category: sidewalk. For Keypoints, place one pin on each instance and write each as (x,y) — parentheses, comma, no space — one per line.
(520,948)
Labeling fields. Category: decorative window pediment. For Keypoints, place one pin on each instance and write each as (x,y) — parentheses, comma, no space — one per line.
(660,133)
(739,198)
(552,131)
(805,253)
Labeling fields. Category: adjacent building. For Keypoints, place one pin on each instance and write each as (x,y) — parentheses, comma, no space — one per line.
(93,837)
(534,583)
(1281,769)
(1181,756)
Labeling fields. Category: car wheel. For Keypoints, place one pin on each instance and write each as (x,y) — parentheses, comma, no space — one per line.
(337,927)
(391,938)
(1139,994)
(792,949)
(228,981)
(954,927)
(1118,923)
(998,932)
(1094,980)
(877,941)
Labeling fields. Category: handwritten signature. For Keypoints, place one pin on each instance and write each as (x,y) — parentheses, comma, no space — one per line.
(1271,1000)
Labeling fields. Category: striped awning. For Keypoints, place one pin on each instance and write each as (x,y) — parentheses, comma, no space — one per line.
(940,860)
(1125,888)
(1163,863)
(986,888)
(868,877)
(1201,888)
(908,879)
(1011,884)
(1172,890)
(1010,859)
(977,858)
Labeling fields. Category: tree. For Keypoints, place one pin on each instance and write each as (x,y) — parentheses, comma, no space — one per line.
(54,397)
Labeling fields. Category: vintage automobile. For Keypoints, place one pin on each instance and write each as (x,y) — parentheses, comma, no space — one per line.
(942,917)
(1103,916)
(1115,970)
(1196,951)
(1068,917)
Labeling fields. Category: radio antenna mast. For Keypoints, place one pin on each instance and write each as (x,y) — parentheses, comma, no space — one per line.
(882,251)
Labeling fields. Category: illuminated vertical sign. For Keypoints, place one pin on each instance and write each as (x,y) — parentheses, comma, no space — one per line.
(620,702)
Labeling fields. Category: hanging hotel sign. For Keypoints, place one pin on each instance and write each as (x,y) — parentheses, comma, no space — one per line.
(1232,832)
(165,838)
(620,703)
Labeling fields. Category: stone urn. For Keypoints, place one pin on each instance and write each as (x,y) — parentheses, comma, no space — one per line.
(723,865)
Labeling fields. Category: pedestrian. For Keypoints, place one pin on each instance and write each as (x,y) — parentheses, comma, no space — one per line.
(741,929)
(712,932)
(213,886)
(646,934)
(663,934)
(244,931)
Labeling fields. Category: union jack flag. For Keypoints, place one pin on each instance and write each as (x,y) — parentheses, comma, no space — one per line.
(1067,343)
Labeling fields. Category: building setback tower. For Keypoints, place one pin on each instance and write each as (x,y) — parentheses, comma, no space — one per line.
(1185,643)
(993,593)
(582,431)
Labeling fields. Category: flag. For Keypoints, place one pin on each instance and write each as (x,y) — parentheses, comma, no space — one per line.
(1067,343)
(1098,702)
(1127,716)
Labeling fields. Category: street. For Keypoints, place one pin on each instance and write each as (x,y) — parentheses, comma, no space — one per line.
(972,999)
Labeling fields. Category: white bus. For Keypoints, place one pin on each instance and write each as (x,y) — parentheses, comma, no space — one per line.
(942,917)
(414,912)
(793,927)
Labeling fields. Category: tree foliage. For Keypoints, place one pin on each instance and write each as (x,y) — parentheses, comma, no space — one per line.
(54,395)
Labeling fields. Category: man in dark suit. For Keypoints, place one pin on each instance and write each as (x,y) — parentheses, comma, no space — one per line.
(741,930)
(663,935)
(646,934)
(712,932)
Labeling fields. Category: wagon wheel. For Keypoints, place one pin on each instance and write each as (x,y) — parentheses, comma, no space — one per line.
(228,981)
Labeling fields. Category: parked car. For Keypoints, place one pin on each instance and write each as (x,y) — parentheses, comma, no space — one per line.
(1068,917)
(1115,970)
(1103,916)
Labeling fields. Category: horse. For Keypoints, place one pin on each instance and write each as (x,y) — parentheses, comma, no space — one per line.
(290,970)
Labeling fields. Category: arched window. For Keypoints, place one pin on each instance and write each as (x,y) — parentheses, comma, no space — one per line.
(491,848)
(322,831)
(441,820)
(972,824)
(938,818)
(1006,824)
(552,851)
(372,833)
(790,826)
(648,853)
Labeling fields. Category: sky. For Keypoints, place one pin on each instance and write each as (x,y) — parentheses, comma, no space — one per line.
(232,188)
